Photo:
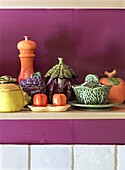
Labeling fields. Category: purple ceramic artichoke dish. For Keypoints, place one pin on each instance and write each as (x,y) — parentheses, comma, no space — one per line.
(60,79)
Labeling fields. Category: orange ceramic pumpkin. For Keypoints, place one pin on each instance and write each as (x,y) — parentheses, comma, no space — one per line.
(117,92)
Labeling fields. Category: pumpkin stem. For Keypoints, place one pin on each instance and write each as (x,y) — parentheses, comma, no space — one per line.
(110,74)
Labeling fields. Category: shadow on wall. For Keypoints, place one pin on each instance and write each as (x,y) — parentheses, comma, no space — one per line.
(76,53)
(62,44)
(107,57)
(112,57)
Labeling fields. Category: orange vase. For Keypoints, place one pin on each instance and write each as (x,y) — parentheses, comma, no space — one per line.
(26,48)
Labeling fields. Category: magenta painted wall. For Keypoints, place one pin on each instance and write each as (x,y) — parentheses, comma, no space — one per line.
(62,131)
(90,40)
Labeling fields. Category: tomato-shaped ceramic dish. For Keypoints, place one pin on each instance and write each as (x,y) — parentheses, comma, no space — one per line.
(40,100)
(59,99)
(117,92)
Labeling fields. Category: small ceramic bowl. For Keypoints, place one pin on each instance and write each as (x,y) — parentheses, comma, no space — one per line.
(31,91)
(91,91)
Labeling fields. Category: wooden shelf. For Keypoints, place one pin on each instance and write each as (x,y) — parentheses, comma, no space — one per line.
(73,113)
(71,127)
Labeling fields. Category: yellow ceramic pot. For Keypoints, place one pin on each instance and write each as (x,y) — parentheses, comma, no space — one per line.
(12,98)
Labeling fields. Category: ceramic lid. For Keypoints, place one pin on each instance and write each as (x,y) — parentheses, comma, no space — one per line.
(61,70)
(9,87)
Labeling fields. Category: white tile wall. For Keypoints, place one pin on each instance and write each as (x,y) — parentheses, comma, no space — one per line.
(62,157)
(90,157)
(52,157)
(13,157)
(121,157)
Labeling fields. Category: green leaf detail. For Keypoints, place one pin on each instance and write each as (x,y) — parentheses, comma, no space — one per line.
(61,70)
(113,81)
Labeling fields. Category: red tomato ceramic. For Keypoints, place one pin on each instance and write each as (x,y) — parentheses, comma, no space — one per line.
(40,100)
(59,100)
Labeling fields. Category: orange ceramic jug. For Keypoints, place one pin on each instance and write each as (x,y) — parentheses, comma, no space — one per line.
(26,48)
(117,92)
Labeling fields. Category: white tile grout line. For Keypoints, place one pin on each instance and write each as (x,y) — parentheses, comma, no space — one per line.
(72,157)
(72,166)
(29,157)
(116,158)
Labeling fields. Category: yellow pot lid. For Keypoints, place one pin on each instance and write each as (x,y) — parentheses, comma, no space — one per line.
(9,87)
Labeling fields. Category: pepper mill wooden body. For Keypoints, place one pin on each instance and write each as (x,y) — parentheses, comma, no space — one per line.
(26,48)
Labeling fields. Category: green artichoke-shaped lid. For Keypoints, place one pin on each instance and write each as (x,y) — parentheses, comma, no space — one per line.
(61,70)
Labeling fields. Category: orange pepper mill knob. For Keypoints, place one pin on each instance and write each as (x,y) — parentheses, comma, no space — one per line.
(26,55)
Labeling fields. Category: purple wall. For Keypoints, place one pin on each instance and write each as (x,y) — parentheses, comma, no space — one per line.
(62,131)
(90,40)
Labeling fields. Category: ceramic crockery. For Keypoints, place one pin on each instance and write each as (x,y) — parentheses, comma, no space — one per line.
(91,91)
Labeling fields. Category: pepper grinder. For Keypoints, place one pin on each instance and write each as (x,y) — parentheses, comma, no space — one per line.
(26,48)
